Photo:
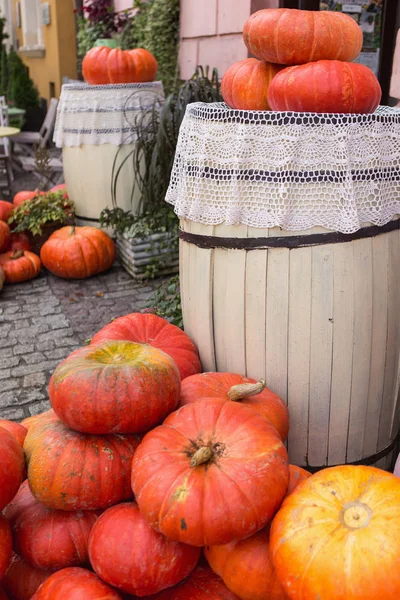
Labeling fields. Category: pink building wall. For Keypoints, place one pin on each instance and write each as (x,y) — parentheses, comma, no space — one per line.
(123,4)
(211,32)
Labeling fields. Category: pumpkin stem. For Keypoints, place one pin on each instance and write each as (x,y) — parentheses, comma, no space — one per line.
(240,391)
(16,254)
(72,230)
(201,456)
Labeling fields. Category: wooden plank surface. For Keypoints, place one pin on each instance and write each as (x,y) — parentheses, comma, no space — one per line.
(342,357)
(299,353)
(255,309)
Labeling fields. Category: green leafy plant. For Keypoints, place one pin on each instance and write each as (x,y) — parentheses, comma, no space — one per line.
(21,90)
(34,214)
(166,302)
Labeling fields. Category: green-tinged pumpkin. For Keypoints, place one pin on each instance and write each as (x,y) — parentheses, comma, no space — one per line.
(78,252)
(68,470)
(326,86)
(245,84)
(159,333)
(213,472)
(115,387)
(49,539)
(75,583)
(293,37)
(22,579)
(235,387)
(127,554)
(338,536)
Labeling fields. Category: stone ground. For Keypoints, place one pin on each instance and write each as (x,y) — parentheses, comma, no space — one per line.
(44,320)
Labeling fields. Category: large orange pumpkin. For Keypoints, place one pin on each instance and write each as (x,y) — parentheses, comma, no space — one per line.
(5,544)
(23,579)
(145,65)
(115,387)
(202,584)
(127,554)
(245,84)
(246,567)
(20,265)
(11,467)
(338,536)
(48,539)
(213,472)
(231,386)
(326,86)
(293,37)
(5,234)
(75,583)
(6,209)
(71,471)
(16,429)
(78,252)
(151,329)
(103,65)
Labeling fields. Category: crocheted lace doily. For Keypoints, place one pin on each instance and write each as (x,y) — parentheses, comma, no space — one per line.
(102,114)
(292,170)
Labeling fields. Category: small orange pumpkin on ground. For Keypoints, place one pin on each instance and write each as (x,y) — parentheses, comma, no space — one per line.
(5,235)
(20,265)
(338,536)
(231,386)
(145,64)
(78,252)
(245,84)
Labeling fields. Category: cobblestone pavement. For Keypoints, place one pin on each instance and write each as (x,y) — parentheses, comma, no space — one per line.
(43,320)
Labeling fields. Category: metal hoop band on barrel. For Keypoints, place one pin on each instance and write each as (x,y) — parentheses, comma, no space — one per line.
(294,241)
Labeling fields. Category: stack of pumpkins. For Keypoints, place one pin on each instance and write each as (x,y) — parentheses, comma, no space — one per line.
(203,456)
(70,252)
(303,64)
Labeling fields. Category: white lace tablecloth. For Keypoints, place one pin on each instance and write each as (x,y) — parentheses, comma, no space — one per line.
(102,114)
(292,170)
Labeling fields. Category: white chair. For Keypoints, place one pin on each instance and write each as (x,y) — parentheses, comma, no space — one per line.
(29,165)
(27,140)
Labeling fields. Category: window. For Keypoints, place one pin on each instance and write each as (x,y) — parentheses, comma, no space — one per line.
(32,28)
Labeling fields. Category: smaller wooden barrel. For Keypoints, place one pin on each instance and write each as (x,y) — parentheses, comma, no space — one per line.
(96,128)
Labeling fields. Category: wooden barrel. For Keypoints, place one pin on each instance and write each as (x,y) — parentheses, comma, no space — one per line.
(316,314)
(96,128)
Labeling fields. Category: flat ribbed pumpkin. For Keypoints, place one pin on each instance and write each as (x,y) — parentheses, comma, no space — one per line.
(78,252)
(338,536)
(23,579)
(115,387)
(213,472)
(245,84)
(49,539)
(231,386)
(127,554)
(75,583)
(151,329)
(292,37)
(20,265)
(68,470)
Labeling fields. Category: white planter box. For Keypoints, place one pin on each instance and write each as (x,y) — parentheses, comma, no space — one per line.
(136,254)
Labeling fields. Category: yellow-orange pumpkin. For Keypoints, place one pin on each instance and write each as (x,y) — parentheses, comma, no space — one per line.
(338,536)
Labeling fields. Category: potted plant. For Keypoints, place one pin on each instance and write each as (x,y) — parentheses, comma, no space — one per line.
(147,245)
(41,216)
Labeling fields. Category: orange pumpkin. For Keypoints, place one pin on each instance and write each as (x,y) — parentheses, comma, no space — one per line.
(75,583)
(326,86)
(296,476)
(23,579)
(288,36)
(115,387)
(23,196)
(60,188)
(5,545)
(5,235)
(16,429)
(231,386)
(59,478)
(245,84)
(211,473)
(78,252)
(19,241)
(20,265)
(202,584)
(145,64)
(338,536)
(11,467)
(103,65)
(6,209)
(246,567)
